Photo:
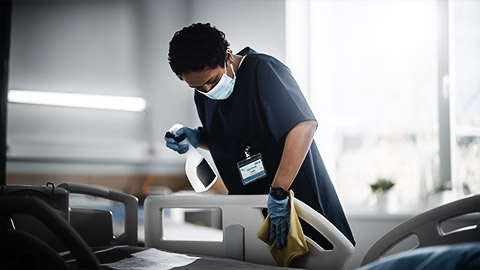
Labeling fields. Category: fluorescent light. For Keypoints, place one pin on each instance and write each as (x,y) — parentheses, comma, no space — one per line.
(134,104)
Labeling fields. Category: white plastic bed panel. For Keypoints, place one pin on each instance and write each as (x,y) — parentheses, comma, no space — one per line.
(241,220)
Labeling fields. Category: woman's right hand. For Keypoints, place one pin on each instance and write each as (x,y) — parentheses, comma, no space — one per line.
(174,141)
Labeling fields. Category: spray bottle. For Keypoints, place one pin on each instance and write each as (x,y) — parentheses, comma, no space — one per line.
(199,171)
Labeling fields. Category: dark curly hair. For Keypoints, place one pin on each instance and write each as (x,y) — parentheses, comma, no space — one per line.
(197,47)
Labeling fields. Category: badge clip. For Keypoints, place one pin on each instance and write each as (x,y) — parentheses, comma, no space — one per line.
(247,152)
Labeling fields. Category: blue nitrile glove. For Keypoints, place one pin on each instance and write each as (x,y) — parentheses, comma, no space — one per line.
(192,135)
(279,211)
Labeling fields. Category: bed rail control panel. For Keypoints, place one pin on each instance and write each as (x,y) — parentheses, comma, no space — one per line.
(82,220)
(241,219)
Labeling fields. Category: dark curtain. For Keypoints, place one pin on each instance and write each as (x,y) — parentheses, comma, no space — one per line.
(5,22)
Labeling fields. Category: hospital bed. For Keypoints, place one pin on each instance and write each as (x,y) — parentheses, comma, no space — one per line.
(240,249)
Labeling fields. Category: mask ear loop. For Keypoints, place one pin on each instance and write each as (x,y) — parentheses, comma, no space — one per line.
(231,65)
(225,67)
(233,71)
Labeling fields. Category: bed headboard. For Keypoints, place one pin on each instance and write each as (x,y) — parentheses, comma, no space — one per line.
(241,219)
(427,227)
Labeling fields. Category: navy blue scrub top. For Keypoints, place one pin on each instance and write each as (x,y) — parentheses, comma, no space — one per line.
(265,105)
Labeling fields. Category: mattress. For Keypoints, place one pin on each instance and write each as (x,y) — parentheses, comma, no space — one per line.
(141,258)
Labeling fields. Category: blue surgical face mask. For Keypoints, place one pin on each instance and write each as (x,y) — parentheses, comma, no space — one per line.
(224,87)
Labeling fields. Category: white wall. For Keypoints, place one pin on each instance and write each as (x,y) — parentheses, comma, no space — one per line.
(101,47)
(114,47)
(259,24)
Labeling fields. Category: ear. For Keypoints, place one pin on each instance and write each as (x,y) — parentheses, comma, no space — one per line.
(229,56)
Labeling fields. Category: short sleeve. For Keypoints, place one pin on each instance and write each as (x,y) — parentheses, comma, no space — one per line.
(283,102)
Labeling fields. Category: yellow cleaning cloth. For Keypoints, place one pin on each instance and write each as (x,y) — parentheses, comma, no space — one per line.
(296,244)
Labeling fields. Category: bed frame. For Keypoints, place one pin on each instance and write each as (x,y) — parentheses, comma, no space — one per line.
(427,227)
(241,219)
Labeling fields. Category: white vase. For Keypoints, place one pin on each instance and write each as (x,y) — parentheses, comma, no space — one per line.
(387,201)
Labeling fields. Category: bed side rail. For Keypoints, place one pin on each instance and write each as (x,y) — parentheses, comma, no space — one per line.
(243,213)
(427,228)
(130,234)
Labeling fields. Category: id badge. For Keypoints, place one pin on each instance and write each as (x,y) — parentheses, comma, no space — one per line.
(251,169)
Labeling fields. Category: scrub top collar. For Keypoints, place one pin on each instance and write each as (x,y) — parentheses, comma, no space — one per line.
(246,51)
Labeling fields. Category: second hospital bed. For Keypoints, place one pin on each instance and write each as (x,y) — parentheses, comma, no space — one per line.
(436,243)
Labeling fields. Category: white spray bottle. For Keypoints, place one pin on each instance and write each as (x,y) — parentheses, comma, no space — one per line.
(199,171)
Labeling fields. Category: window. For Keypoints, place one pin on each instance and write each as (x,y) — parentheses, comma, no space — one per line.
(375,72)
(466,41)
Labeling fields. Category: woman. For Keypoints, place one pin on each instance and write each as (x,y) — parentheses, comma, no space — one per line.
(257,126)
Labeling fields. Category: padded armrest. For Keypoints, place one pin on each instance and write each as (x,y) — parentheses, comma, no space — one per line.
(130,235)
